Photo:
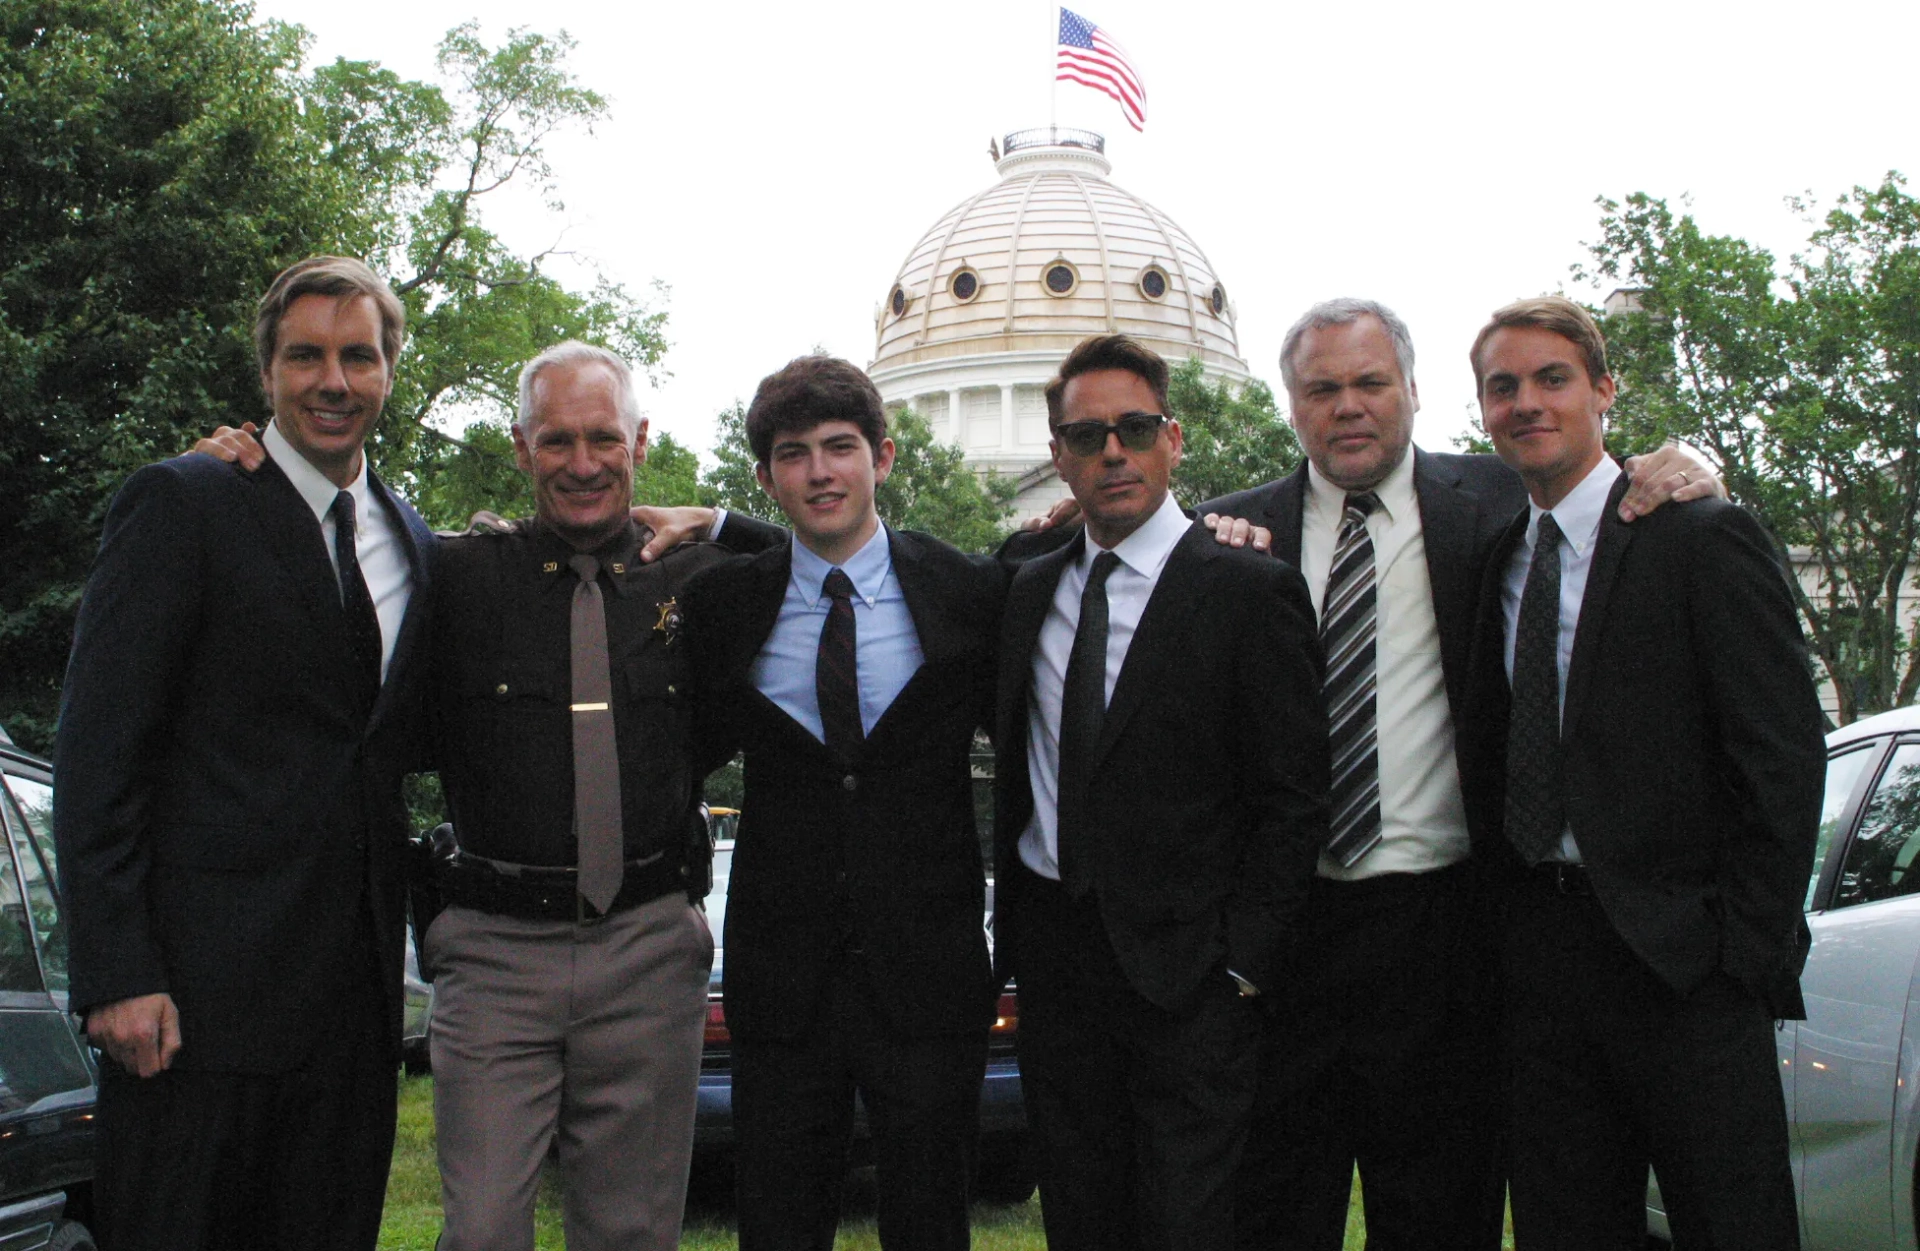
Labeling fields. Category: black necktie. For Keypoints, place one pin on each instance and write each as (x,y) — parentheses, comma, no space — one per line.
(1347,624)
(363,624)
(836,674)
(1083,708)
(1536,809)
(597,826)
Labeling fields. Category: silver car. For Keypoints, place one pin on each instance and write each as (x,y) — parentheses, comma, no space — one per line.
(1851,1070)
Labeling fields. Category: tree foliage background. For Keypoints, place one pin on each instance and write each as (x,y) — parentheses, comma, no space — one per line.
(1802,380)
(1231,441)
(159,163)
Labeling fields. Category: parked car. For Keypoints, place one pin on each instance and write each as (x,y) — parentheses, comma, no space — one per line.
(1005,1171)
(48,1080)
(1851,1070)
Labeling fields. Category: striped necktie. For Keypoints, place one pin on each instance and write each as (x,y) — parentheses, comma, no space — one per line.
(1347,637)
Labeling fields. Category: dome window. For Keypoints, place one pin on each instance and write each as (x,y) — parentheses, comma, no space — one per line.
(1218,300)
(1060,277)
(1153,282)
(897,302)
(965,284)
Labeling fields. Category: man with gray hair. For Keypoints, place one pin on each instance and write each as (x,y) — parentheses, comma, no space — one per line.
(1380,1050)
(571,959)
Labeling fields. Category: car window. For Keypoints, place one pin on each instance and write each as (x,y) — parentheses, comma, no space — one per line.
(1843,774)
(19,969)
(1880,861)
(33,800)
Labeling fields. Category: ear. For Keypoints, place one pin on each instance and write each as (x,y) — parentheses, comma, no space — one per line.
(883,461)
(765,478)
(522,452)
(1605,391)
(1413,389)
(1173,438)
(640,444)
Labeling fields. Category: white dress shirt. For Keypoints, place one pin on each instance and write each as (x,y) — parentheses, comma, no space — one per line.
(376,541)
(1578,516)
(1423,820)
(886,644)
(1143,554)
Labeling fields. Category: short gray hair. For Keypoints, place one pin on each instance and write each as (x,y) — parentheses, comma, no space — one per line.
(574,352)
(1344,312)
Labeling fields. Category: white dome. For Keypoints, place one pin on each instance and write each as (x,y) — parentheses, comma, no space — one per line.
(994,296)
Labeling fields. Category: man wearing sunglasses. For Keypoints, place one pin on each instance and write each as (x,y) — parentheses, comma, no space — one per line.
(1159,802)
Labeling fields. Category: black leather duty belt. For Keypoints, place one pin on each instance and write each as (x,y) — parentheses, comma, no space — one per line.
(542,893)
(1562,878)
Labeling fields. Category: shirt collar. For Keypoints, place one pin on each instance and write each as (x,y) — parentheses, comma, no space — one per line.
(616,556)
(867,569)
(314,487)
(1147,548)
(1578,515)
(1395,491)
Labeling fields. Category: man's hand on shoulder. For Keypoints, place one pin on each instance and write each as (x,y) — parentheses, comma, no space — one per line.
(141,1034)
(673,526)
(1669,473)
(1064,513)
(234,446)
(1238,532)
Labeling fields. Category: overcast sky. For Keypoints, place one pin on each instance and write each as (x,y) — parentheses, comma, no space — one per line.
(773,163)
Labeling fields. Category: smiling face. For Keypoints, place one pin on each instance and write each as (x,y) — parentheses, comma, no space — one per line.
(328,380)
(824,478)
(580,451)
(1541,409)
(1352,407)
(1117,488)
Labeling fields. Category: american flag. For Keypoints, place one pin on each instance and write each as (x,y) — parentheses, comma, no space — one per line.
(1088,56)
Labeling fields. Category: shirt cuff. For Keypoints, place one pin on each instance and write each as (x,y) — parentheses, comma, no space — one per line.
(1247,989)
(719,524)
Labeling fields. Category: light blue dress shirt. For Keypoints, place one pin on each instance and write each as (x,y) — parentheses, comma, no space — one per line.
(887,647)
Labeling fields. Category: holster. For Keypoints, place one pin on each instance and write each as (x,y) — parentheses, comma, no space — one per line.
(426,852)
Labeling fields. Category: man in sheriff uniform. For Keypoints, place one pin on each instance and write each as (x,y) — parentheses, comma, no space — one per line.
(571,962)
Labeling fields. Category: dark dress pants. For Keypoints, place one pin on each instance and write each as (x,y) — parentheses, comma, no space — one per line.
(1380,1050)
(1139,1114)
(1613,1070)
(296,1161)
(793,1105)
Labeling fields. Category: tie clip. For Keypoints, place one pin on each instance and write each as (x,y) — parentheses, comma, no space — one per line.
(589,707)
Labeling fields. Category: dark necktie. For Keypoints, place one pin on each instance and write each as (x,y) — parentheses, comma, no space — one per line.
(597,827)
(1536,809)
(836,673)
(1083,708)
(363,623)
(1347,623)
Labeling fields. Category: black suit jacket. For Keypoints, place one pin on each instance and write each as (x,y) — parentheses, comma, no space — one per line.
(1465,504)
(222,801)
(884,851)
(1207,804)
(1692,748)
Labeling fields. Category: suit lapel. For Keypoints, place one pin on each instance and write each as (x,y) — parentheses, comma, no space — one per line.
(293,535)
(1283,515)
(1027,602)
(1611,546)
(413,542)
(1152,650)
(763,590)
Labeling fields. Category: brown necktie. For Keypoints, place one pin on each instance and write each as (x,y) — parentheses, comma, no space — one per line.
(597,826)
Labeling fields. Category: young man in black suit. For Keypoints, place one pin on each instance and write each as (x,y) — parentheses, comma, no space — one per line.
(228,810)
(1380,1047)
(1651,869)
(1159,799)
(852,666)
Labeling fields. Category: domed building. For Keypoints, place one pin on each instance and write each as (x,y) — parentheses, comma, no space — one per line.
(1002,287)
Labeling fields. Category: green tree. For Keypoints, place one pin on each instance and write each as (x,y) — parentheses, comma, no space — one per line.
(930,489)
(1232,441)
(1802,381)
(159,162)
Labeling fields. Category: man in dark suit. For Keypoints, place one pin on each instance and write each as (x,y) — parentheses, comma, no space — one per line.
(1651,869)
(1379,1048)
(228,808)
(1159,798)
(852,666)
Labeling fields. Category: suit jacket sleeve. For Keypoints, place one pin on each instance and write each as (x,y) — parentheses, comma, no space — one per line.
(748,535)
(1281,739)
(138,621)
(1768,717)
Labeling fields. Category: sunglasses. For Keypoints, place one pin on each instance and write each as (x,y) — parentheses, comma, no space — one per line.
(1137,433)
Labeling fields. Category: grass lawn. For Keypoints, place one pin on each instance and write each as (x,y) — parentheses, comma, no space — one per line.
(412,1218)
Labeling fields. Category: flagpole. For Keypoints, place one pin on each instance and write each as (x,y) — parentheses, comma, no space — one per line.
(1053,75)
